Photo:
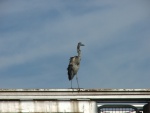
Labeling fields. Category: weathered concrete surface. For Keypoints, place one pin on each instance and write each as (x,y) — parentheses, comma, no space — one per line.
(83,90)
(48,106)
(66,100)
(135,95)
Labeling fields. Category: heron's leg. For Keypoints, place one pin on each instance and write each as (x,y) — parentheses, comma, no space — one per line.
(71,84)
(71,78)
(77,81)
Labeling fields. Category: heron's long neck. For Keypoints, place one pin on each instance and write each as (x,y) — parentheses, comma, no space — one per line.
(78,51)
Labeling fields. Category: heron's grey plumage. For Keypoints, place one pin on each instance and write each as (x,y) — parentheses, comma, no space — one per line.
(74,64)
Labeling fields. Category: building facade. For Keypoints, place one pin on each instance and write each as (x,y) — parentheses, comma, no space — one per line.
(74,100)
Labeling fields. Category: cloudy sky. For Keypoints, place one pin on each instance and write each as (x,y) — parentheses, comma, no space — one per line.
(37,38)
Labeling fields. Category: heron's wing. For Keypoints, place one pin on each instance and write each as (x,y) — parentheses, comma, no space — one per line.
(71,69)
(70,72)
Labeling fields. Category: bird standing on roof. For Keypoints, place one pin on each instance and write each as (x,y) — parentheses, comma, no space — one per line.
(74,64)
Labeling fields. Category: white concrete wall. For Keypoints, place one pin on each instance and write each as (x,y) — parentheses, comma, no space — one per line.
(48,106)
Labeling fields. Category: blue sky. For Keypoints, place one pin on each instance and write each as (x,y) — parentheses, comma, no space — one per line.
(38,37)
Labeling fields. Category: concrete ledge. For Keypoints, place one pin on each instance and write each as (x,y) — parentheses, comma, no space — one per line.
(134,95)
(70,90)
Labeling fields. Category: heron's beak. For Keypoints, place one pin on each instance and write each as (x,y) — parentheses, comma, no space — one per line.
(82,45)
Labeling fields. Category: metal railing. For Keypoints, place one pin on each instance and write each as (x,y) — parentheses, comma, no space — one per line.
(117,109)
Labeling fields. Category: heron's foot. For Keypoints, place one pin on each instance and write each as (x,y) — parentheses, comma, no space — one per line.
(78,89)
(72,89)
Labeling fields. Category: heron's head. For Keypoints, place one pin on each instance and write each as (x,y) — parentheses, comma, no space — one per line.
(78,47)
(80,44)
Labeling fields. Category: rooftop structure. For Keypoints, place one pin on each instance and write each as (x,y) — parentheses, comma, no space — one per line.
(102,95)
(69,100)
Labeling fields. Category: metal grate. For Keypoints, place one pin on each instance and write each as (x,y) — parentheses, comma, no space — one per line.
(117,109)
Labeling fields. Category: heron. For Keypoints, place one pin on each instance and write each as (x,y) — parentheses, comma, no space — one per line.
(74,65)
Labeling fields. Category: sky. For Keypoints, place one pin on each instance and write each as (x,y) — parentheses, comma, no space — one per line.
(37,38)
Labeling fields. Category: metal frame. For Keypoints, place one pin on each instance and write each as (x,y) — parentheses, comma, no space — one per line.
(120,107)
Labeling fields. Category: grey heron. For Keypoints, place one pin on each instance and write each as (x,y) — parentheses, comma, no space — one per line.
(74,65)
